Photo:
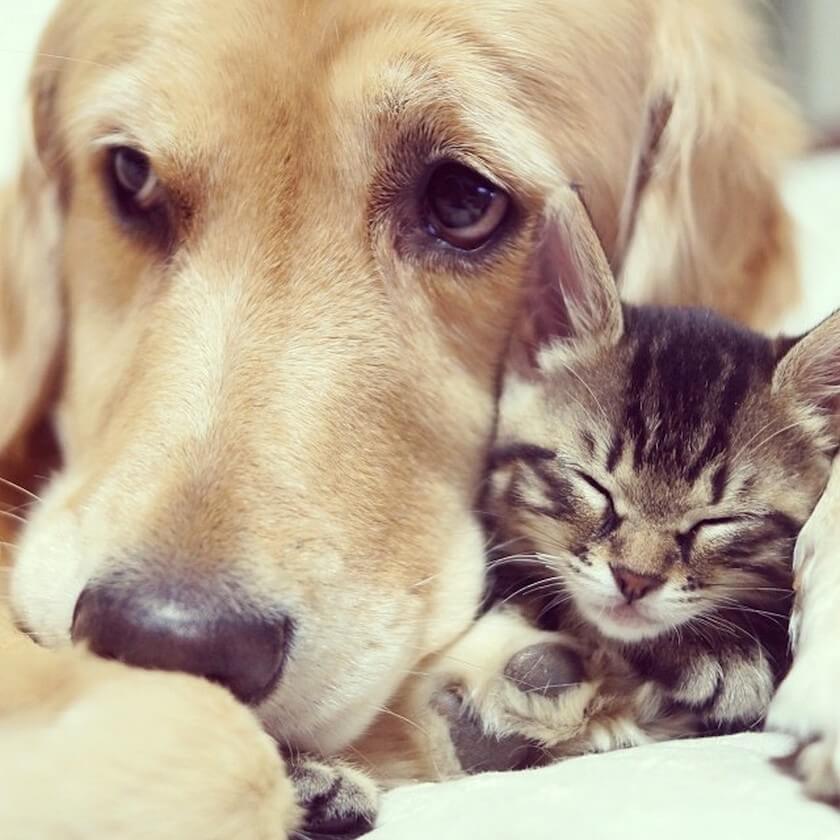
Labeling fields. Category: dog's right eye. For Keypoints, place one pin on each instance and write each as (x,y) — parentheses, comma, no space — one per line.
(137,193)
(135,182)
(464,209)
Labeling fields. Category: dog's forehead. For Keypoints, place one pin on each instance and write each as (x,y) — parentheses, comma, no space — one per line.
(302,77)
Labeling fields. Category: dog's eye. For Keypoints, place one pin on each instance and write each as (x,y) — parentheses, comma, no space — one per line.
(464,208)
(136,186)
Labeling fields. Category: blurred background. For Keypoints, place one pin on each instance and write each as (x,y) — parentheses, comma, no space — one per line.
(807,34)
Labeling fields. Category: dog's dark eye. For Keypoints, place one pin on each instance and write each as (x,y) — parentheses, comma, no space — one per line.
(463,207)
(136,186)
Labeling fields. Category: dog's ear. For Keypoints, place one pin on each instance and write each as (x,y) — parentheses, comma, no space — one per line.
(571,296)
(31,307)
(703,222)
(809,372)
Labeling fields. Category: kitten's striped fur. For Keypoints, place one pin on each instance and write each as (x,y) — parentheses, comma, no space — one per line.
(652,470)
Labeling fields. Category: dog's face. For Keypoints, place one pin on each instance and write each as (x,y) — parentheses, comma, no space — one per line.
(290,241)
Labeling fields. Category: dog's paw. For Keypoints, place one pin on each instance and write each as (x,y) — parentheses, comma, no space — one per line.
(817,764)
(337,800)
(806,707)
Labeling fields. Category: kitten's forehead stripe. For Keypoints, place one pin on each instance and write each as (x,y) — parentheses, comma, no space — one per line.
(634,415)
(525,452)
(616,450)
(689,376)
(589,442)
(719,481)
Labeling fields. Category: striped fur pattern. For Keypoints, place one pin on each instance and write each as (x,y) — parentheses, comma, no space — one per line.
(652,471)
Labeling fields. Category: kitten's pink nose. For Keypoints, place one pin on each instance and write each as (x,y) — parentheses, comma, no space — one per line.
(634,586)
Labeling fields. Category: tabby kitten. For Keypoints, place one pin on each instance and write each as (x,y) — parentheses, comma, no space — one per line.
(653,468)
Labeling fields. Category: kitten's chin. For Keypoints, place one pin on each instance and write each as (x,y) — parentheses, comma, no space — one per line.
(622,622)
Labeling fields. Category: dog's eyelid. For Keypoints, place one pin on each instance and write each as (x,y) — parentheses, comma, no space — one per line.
(457,154)
(115,139)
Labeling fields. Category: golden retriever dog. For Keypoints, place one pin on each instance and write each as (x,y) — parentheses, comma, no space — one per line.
(258,272)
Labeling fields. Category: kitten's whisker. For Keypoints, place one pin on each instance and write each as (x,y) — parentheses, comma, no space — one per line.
(492,549)
(511,560)
(775,434)
(18,488)
(580,379)
(531,588)
(745,447)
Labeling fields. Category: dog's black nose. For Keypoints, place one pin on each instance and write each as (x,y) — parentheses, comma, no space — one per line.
(218,635)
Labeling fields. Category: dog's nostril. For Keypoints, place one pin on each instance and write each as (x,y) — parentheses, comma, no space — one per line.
(218,637)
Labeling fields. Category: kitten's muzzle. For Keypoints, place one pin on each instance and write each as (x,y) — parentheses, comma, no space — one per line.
(634,586)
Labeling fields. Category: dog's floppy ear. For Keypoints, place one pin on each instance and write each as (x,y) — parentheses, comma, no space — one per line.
(571,295)
(703,222)
(31,310)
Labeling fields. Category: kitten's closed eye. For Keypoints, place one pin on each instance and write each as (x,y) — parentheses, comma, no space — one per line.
(725,529)
(718,526)
(611,519)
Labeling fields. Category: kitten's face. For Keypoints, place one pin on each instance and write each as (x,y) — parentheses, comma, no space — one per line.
(660,476)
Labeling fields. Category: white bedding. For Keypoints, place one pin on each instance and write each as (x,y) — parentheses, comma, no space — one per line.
(713,789)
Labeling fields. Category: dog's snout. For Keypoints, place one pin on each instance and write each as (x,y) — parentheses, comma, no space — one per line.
(212,634)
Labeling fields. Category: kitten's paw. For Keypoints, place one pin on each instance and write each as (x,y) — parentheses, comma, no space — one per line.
(730,690)
(806,707)
(338,801)
(479,749)
(540,707)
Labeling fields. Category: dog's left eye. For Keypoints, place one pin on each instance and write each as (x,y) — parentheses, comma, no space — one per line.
(463,207)
(135,184)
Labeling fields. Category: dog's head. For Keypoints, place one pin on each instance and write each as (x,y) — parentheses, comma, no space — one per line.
(261,267)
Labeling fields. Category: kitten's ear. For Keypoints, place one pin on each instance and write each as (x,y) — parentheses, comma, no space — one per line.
(571,295)
(809,370)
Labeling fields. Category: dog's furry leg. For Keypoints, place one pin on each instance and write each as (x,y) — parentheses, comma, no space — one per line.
(806,704)
(129,753)
(337,800)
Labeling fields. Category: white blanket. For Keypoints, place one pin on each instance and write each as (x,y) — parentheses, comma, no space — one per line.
(708,789)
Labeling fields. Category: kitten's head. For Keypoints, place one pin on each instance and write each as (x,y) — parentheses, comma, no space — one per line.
(659,462)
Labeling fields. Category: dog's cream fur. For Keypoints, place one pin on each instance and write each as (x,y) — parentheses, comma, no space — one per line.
(806,704)
(298,397)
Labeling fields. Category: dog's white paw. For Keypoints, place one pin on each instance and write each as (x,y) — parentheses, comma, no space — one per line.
(818,765)
(806,706)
